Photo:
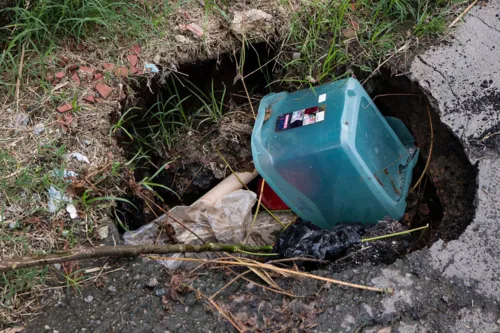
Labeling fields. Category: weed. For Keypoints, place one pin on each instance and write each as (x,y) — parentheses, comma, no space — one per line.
(148,183)
(335,38)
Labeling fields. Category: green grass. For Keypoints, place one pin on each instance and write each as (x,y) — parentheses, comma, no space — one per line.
(43,26)
(337,38)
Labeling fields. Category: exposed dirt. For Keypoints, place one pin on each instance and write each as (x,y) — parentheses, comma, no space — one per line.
(195,165)
(450,175)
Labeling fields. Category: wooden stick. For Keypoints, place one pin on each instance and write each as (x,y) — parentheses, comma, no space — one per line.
(462,15)
(122,251)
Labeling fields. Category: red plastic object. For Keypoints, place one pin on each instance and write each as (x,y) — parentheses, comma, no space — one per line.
(270,199)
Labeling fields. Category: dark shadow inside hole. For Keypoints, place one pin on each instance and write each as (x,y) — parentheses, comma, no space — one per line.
(181,119)
(445,197)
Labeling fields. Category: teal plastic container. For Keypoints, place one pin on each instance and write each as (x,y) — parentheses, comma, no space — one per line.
(331,156)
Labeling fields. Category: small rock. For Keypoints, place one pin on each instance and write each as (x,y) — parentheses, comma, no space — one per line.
(47,327)
(296,55)
(103,89)
(55,331)
(87,142)
(103,232)
(252,22)
(21,119)
(12,225)
(446,299)
(250,286)
(65,233)
(88,299)
(57,266)
(153,282)
(38,129)
(112,289)
(180,39)
(160,292)
(348,33)
(385,330)
(157,57)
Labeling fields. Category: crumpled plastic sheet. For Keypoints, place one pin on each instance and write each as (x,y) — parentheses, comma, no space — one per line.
(228,221)
(305,240)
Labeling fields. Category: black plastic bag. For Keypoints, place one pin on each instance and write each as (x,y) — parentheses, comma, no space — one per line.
(305,240)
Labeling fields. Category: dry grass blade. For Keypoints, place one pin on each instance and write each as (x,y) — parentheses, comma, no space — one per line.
(256,211)
(225,315)
(286,272)
(237,277)
(430,152)
(459,17)
(19,75)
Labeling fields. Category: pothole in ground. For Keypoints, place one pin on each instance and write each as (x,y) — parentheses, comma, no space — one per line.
(188,120)
(188,117)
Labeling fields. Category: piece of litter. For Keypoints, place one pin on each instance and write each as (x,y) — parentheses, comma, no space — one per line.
(103,232)
(195,28)
(57,266)
(56,198)
(304,239)
(65,233)
(152,68)
(78,156)
(71,209)
(64,173)
(321,98)
(12,225)
(88,299)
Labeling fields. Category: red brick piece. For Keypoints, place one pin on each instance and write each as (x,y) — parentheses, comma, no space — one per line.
(75,78)
(60,75)
(98,76)
(132,59)
(65,107)
(103,89)
(121,71)
(89,98)
(135,49)
(108,67)
(85,69)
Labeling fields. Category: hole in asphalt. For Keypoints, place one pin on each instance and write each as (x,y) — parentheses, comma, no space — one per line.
(174,124)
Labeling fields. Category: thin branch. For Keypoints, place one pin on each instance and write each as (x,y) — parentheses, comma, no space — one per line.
(122,251)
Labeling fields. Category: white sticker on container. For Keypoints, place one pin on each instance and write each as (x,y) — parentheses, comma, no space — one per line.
(320,116)
(322,98)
